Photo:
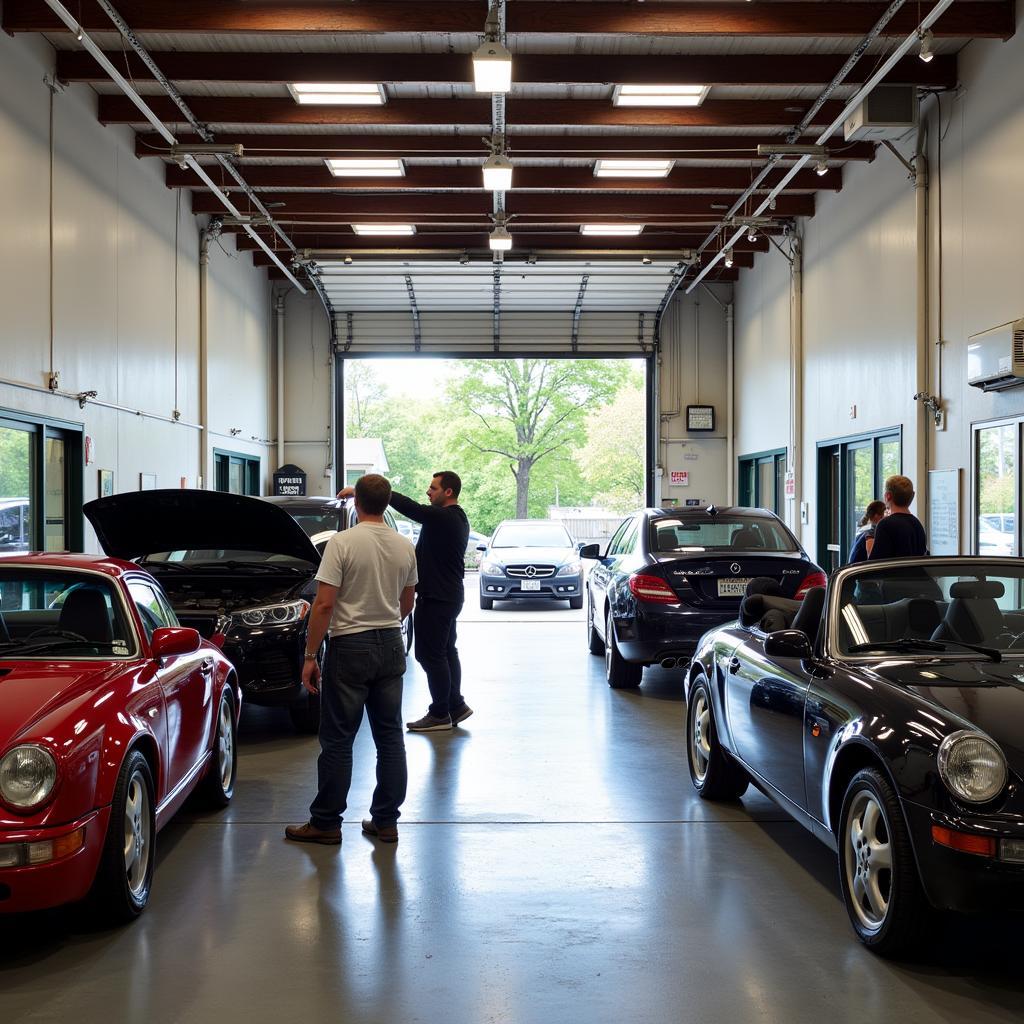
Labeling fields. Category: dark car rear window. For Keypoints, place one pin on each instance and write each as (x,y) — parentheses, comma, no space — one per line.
(721,533)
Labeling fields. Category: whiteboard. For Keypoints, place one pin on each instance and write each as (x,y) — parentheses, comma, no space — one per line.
(944,511)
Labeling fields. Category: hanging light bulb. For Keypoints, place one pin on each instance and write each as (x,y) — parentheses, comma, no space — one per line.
(497,172)
(728,258)
(927,42)
(821,168)
(500,239)
(752,234)
(492,67)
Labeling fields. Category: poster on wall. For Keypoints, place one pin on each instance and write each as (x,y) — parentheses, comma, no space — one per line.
(944,511)
(147,481)
(106,487)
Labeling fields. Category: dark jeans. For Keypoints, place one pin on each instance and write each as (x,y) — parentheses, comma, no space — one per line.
(361,670)
(434,630)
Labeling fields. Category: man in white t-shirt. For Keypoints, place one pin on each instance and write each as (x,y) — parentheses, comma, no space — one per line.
(367,583)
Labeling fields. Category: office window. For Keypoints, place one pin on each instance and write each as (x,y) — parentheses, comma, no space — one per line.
(996,454)
(236,474)
(762,480)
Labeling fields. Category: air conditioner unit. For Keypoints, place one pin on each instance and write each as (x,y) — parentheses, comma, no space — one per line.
(887,112)
(995,358)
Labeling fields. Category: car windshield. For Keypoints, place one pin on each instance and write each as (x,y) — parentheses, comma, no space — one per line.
(933,606)
(531,535)
(61,614)
(720,533)
(313,523)
(228,557)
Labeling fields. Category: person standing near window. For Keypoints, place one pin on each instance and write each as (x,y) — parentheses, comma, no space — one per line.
(865,539)
(900,534)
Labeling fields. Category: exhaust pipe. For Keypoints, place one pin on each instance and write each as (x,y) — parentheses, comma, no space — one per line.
(669,662)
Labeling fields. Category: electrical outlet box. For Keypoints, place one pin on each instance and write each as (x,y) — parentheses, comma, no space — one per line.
(805,513)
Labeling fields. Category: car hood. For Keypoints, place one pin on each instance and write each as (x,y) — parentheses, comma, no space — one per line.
(140,523)
(30,691)
(536,556)
(989,695)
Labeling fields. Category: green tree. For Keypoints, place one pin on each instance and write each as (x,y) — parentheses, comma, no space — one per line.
(527,410)
(613,458)
(15,463)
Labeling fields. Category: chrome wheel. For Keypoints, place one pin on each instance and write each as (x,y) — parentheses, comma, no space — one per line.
(138,835)
(226,746)
(867,860)
(700,746)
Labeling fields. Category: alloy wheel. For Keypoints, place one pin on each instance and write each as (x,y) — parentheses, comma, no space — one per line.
(226,745)
(867,860)
(138,834)
(700,745)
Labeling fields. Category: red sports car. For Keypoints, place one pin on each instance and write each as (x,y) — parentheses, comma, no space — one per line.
(111,714)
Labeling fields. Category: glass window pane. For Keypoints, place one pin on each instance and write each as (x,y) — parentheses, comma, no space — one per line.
(766,484)
(860,483)
(236,479)
(889,460)
(997,490)
(16,448)
(55,535)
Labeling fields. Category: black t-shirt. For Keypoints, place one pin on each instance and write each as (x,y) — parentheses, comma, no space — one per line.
(899,535)
(441,549)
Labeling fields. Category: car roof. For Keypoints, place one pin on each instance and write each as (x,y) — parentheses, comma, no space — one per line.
(530,522)
(69,560)
(703,513)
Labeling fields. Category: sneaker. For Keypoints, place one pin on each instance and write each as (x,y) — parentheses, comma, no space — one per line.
(385,833)
(462,714)
(309,833)
(429,723)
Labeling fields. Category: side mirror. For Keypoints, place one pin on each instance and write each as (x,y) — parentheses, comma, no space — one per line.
(590,551)
(787,643)
(174,641)
(481,547)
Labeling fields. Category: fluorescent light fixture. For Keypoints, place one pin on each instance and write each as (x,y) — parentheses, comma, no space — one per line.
(659,95)
(629,168)
(927,42)
(500,239)
(492,68)
(611,229)
(384,229)
(497,172)
(358,167)
(339,93)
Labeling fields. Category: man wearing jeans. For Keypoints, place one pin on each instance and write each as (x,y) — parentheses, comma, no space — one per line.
(367,583)
(440,561)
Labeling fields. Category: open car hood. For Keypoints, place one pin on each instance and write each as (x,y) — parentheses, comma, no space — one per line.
(140,523)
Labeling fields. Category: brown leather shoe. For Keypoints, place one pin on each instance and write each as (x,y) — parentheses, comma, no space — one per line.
(385,833)
(309,833)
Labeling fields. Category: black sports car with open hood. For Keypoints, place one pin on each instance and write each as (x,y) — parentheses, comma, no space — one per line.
(238,569)
(886,714)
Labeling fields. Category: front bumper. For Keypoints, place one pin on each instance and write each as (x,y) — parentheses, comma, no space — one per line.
(269,663)
(38,886)
(966,882)
(665,631)
(550,588)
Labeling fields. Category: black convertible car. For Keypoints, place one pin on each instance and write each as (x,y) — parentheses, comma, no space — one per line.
(669,575)
(239,569)
(886,714)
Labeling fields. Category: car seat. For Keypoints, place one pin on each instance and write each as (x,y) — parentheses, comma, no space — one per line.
(85,612)
(973,616)
(808,618)
(746,538)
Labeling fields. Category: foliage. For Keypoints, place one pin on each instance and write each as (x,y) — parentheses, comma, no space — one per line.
(612,460)
(15,463)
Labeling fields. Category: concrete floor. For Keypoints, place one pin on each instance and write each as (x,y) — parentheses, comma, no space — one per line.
(554,866)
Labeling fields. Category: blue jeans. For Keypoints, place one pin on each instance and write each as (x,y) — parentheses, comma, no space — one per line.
(361,670)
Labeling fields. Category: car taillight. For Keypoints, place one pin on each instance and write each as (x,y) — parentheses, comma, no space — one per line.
(651,589)
(814,579)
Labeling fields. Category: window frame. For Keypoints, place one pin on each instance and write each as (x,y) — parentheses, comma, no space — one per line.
(975,491)
(751,464)
(251,466)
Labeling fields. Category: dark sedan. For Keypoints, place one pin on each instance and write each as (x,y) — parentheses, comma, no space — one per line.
(532,559)
(887,716)
(669,575)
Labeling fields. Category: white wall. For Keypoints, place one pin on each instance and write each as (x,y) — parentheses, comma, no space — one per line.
(114,261)
(860,293)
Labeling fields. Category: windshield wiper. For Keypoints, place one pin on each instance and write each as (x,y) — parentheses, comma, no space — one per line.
(909,643)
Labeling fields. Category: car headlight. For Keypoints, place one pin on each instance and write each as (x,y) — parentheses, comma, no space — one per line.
(492,569)
(274,614)
(27,776)
(972,766)
(571,569)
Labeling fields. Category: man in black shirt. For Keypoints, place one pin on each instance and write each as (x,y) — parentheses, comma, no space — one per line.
(900,534)
(440,565)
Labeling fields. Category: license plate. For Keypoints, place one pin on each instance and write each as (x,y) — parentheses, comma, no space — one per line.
(530,585)
(733,588)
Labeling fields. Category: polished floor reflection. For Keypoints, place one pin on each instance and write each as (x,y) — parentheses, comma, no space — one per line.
(554,866)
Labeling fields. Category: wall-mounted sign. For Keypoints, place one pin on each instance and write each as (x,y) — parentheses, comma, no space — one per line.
(289,481)
(700,417)
(694,502)
(679,478)
(944,511)
(790,484)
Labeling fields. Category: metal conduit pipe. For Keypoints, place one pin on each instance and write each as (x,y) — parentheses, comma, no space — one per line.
(796,358)
(279,309)
(922,377)
(730,394)
(209,235)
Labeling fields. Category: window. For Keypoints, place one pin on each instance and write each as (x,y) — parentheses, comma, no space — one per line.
(236,474)
(763,480)
(721,533)
(996,454)
(153,610)
(40,485)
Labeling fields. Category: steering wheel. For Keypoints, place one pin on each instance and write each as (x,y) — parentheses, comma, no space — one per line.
(67,634)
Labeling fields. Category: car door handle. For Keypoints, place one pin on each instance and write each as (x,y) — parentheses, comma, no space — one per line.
(734,665)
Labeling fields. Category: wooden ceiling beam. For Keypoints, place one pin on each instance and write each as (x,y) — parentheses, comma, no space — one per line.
(977,18)
(518,203)
(570,113)
(693,179)
(745,69)
(689,147)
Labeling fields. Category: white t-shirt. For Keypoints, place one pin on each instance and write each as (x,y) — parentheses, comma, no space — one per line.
(371,565)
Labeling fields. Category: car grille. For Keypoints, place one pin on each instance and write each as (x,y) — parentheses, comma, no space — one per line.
(271,671)
(530,572)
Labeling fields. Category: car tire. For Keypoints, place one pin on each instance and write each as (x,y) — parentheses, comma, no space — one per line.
(408,630)
(621,674)
(877,869)
(714,774)
(486,603)
(594,642)
(218,785)
(576,603)
(124,878)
